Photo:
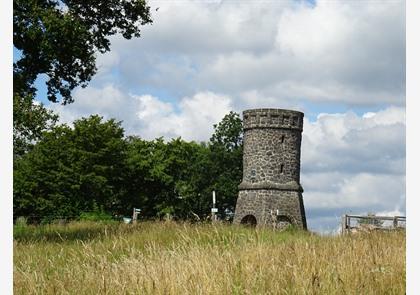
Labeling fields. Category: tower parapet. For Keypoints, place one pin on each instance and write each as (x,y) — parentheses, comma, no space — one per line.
(272,118)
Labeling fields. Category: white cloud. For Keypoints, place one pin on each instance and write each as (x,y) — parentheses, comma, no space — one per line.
(108,101)
(309,32)
(340,52)
(369,143)
(193,121)
(148,116)
(361,191)
(151,108)
(353,164)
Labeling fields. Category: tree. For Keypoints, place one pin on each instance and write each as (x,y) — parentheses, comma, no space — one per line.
(146,176)
(30,120)
(228,132)
(165,177)
(226,152)
(43,181)
(71,170)
(59,38)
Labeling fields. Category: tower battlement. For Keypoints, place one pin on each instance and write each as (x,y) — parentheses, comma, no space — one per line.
(272,118)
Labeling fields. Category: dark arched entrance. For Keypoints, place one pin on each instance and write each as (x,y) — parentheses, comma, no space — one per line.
(249,220)
(283,221)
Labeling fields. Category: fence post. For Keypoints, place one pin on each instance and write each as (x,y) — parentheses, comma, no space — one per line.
(134,219)
(395,222)
(343,224)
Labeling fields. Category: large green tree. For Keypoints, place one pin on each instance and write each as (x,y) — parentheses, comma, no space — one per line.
(71,170)
(30,120)
(60,39)
(178,177)
(228,133)
(226,150)
(164,177)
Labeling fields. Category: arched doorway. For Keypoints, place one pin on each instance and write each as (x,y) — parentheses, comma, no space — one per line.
(283,222)
(249,220)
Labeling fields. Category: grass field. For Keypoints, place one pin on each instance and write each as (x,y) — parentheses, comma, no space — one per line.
(173,258)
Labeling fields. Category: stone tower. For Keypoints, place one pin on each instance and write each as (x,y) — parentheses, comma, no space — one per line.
(270,193)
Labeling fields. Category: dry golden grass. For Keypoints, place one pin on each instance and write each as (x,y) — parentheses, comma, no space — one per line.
(170,258)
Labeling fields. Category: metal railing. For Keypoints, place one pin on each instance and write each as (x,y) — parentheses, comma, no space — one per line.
(355,223)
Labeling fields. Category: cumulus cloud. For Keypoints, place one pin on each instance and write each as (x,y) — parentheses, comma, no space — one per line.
(374,142)
(108,101)
(148,116)
(193,121)
(361,191)
(353,164)
(338,52)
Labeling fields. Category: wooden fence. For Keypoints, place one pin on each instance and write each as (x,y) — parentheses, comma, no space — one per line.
(356,223)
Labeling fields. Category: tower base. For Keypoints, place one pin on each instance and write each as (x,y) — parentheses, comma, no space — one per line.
(272,208)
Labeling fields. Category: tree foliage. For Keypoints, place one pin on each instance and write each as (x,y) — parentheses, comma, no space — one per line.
(29,121)
(168,175)
(92,165)
(228,133)
(71,170)
(226,146)
(60,38)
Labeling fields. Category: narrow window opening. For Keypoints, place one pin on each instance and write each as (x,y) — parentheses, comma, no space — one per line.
(282,139)
(281,168)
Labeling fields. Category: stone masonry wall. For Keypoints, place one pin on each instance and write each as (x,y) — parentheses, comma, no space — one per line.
(266,205)
(271,155)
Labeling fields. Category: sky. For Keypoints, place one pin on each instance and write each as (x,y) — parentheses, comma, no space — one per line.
(342,63)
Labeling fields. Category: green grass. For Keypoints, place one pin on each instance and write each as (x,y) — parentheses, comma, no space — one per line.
(182,258)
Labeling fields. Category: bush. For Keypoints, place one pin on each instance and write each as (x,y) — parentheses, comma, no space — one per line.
(21,221)
(95,216)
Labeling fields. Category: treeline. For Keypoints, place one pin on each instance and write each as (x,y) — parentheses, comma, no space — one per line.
(92,167)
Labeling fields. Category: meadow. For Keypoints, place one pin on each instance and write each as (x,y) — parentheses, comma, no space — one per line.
(183,258)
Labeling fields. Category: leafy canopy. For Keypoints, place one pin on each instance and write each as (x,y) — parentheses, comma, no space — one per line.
(92,165)
(228,132)
(30,120)
(60,38)
(226,146)
(71,170)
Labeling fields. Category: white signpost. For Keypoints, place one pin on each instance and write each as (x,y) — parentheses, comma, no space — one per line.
(136,212)
(214,209)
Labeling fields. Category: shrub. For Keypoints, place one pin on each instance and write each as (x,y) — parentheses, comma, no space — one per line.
(95,216)
(21,221)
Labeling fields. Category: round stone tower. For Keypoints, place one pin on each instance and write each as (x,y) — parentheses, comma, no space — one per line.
(270,193)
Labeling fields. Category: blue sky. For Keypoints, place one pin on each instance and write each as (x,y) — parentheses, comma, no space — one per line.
(340,62)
